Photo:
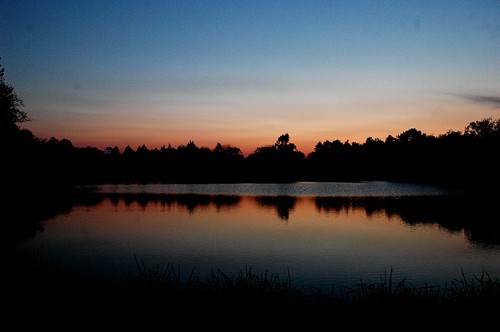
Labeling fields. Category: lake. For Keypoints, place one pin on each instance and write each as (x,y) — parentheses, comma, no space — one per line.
(321,234)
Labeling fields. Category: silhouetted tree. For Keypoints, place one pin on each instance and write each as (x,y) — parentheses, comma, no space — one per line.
(390,139)
(283,144)
(63,144)
(227,152)
(483,129)
(128,151)
(115,151)
(21,150)
(451,135)
(10,114)
(411,136)
(142,151)
(279,162)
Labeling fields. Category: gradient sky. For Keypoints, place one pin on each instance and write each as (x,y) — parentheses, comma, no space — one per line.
(106,73)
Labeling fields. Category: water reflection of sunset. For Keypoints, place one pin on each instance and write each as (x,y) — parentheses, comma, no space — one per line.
(319,240)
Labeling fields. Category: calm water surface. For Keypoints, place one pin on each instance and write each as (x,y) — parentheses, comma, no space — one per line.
(344,189)
(323,234)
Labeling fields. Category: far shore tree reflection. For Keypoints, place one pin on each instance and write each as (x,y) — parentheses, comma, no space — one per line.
(476,217)
(191,202)
(282,204)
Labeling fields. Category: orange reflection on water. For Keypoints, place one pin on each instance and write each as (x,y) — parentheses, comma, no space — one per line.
(319,240)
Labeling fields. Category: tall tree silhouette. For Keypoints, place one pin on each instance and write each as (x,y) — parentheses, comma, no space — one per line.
(10,114)
(279,162)
(283,144)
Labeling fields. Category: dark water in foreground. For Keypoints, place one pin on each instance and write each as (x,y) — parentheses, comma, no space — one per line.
(323,234)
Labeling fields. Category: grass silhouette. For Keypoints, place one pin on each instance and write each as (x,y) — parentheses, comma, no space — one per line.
(164,288)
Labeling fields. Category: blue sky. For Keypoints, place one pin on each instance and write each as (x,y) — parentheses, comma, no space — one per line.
(243,72)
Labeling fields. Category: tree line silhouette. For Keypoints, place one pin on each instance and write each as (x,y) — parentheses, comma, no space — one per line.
(467,158)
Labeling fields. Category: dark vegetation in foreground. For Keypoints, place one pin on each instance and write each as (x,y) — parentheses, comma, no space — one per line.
(162,288)
(250,286)
(467,158)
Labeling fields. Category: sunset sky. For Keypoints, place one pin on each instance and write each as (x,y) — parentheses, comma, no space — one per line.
(106,73)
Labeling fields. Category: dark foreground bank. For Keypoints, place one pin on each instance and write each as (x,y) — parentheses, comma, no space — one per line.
(41,289)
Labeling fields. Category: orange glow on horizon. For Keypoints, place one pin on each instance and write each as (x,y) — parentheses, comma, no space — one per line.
(250,132)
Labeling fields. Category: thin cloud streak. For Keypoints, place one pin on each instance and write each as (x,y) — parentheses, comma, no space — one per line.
(491,100)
